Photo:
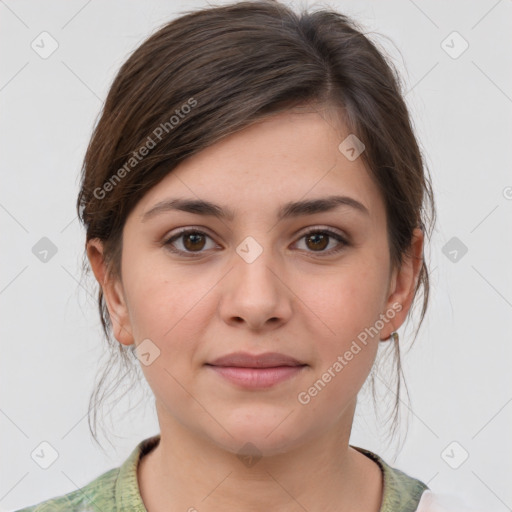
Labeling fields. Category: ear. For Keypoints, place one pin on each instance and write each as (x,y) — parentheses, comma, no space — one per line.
(402,285)
(113,293)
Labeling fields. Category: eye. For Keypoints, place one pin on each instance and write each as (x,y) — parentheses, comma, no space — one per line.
(193,241)
(318,240)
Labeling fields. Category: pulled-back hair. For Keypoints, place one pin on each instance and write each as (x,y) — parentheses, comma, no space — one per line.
(214,71)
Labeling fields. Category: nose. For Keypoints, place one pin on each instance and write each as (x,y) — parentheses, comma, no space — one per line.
(255,294)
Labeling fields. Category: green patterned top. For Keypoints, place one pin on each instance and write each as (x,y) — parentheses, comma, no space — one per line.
(117,490)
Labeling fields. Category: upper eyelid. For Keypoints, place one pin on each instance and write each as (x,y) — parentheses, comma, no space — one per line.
(299,233)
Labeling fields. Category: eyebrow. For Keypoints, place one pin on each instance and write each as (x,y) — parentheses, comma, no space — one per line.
(288,210)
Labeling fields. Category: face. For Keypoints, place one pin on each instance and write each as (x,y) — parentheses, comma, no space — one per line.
(311,284)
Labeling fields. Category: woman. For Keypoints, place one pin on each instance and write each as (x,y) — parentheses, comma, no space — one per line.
(254,199)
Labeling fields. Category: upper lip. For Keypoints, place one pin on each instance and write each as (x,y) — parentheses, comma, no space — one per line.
(247,360)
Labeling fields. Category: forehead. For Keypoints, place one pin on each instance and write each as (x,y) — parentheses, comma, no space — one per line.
(291,156)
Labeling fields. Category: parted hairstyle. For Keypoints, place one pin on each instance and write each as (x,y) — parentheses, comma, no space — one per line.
(212,72)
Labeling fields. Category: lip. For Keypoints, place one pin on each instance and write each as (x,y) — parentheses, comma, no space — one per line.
(256,371)
(256,378)
(264,360)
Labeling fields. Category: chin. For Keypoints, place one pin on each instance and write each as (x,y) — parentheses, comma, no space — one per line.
(258,439)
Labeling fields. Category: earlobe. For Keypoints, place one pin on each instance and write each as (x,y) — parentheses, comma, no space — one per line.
(403,285)
(112,292)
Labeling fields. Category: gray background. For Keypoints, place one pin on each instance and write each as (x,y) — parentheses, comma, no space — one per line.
(458,371)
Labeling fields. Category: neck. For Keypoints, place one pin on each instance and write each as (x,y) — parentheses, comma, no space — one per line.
(188,472)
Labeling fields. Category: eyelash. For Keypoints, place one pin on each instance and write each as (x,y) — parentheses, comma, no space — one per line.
(188,231)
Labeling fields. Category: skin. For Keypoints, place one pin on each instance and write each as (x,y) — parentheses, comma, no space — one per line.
(294,298)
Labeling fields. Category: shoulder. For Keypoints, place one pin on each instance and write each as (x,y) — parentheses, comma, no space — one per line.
(116,489)
(99,494)
(401,492)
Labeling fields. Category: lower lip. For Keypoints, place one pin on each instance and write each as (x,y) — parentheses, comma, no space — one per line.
(257,378)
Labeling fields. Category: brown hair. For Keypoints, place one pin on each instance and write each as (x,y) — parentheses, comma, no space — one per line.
(212,72)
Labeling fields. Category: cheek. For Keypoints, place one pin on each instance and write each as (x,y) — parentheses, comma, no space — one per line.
(163,310)
(172,309)
(343,310)
(165,314)
(346,301)
(159,297)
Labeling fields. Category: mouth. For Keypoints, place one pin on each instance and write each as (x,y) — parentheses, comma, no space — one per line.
(256,361)
(256,371)
(256,378)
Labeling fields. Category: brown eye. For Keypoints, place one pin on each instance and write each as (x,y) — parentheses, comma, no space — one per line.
(192,241)
(318,240)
